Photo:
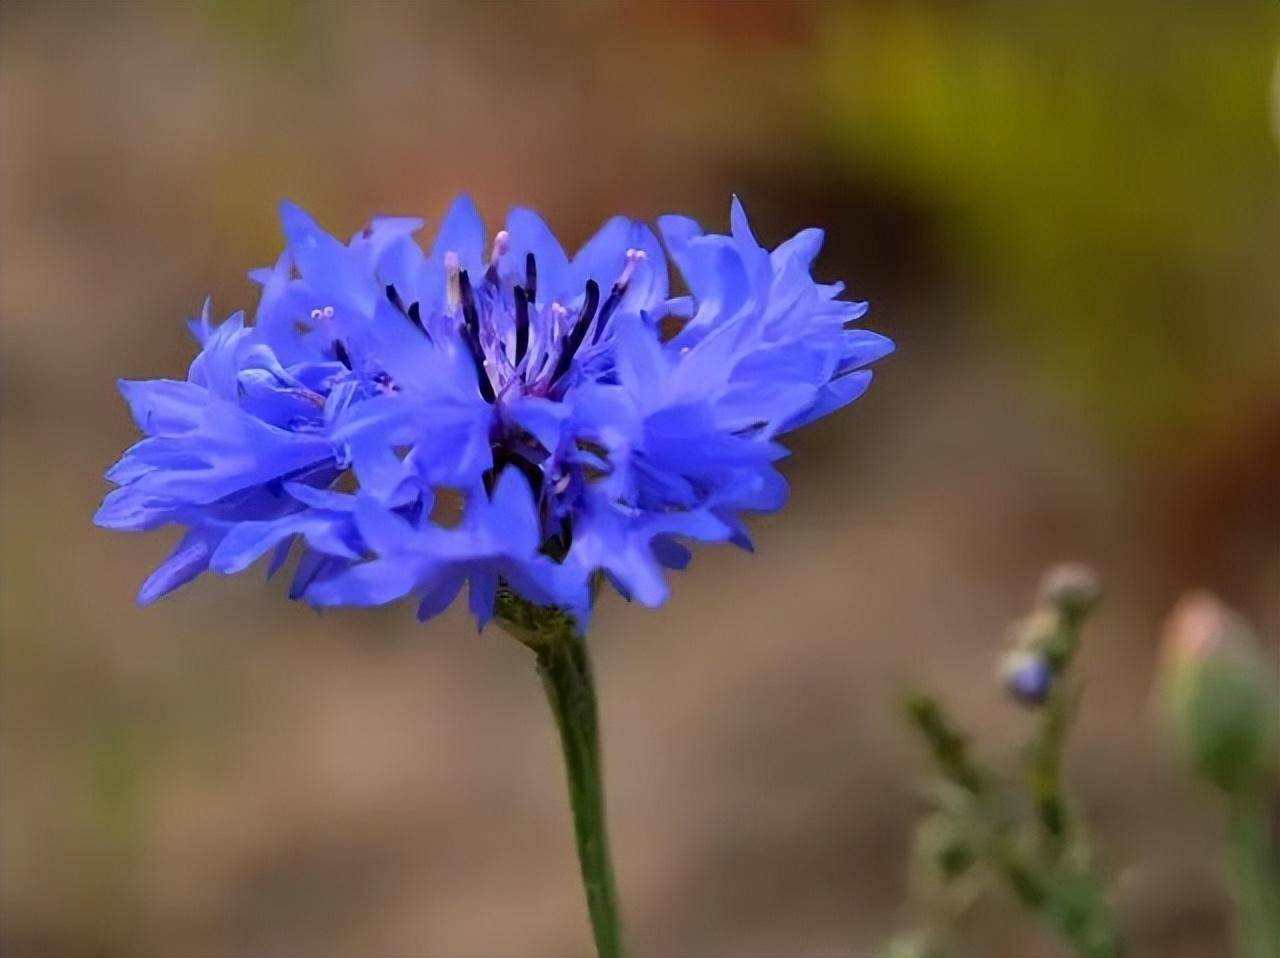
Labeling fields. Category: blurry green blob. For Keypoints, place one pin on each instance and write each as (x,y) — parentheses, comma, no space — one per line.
(913,946)
(117,761)
(267,27)
(1222,704)
(1108,173)
(1220,697)
(943,844)
(117,766)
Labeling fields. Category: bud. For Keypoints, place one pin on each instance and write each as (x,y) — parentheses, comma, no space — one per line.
(1035,632)
(1219,695)
(1072,588)
(1027,676)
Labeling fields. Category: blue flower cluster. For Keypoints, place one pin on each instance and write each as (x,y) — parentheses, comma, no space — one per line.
(578,417)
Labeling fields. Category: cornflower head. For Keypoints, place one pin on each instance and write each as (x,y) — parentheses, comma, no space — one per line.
(587,421)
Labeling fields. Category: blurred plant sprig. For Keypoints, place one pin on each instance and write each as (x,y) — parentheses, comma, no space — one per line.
(984,829)
(1221,703)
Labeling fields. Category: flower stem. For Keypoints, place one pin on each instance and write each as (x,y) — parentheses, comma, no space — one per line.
(1255,883)
(565,668)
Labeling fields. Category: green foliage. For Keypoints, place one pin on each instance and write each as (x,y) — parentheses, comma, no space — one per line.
(1107,169)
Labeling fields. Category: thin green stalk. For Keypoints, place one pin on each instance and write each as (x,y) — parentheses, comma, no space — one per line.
(565,668)
(566,675)
(1045,773)
(1255,884)
(947,746)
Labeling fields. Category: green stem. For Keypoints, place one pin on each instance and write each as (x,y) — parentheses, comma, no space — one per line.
(947,746)
(1045,778)
(565,668)
(1255,882)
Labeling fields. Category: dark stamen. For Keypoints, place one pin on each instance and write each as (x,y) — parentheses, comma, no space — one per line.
(340,351)
(482,377)
(412,313)
(531,277)
(522,323)
(415,316)
(471,334)
(574,339)
(606,311)
(469,313)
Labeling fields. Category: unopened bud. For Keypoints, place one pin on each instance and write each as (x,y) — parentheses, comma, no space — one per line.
(1072,588)
(1027,676)
(1220,695)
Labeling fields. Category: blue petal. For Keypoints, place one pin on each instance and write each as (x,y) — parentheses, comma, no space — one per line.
(384,530)
(321,498)
(230,452)
(482,590)
(529,234)
(514,514)
(862,347)
(837,393)
(799,251)
(128,510)
(376,582)
(671,553)
(164,405)
(602,257)
(461,232)
(331,269)
(649,284)
(248,541)
(439,594)
(185,562)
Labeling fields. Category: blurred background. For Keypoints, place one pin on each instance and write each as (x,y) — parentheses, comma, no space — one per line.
(1066,214)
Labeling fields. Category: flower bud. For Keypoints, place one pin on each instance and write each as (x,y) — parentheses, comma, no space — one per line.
(1027,676)
(1072,588)
(1220,696)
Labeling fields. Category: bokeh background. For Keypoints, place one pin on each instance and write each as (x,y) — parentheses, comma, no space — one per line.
(1067,215)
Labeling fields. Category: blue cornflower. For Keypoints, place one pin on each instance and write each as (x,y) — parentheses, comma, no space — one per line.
(587,421)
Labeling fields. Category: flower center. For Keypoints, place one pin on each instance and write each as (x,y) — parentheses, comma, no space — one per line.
(515,341)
